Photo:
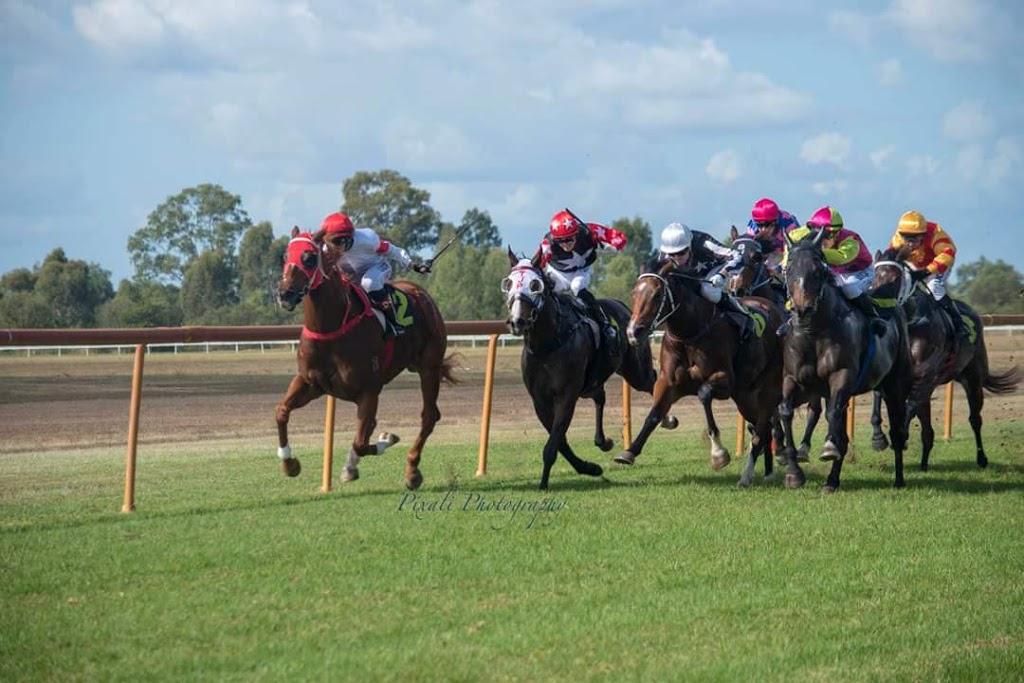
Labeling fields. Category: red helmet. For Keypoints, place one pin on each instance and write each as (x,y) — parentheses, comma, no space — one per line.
(338,224)
(765,211)
(563,225)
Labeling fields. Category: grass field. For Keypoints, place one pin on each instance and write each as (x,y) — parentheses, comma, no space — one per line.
(665,571)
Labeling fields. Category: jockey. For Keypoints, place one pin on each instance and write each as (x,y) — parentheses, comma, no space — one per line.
(365,257)
(567,254)
(767,224)
(702,255)
(849,260)
(934,251)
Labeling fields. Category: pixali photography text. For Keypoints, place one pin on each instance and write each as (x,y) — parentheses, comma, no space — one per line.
(506,510)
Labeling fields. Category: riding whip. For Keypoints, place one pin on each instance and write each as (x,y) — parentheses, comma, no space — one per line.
(430,261)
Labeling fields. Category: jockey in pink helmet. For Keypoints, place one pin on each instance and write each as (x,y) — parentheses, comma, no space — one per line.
(766,225)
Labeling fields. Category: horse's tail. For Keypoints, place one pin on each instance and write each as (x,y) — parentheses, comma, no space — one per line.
(448,369)
(1002,383)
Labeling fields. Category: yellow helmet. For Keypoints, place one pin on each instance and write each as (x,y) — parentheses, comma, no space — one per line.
(912,223)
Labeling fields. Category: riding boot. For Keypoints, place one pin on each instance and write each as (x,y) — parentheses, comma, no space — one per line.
(731,304)
(959,328)
(597,313)
(382,301)
(865,305)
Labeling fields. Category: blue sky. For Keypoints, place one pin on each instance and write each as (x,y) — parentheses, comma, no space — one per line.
(670,110)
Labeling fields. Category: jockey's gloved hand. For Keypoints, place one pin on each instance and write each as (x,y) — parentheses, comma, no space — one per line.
(421,268)
(919,274)
(717,280)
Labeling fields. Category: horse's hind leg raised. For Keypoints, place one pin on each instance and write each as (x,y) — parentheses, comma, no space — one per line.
(299,393)
(600,440)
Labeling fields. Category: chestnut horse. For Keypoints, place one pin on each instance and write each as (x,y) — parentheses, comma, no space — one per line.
(753,278)
(831,353)
(560,361)
(342,353)
(701,355)
(939,356)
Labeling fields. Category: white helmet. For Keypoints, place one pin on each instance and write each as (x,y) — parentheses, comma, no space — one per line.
(675,238)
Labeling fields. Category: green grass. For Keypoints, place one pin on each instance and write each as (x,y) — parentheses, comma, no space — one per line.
(666,571)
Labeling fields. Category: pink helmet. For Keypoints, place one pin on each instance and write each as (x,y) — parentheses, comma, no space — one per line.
(828,218)
(765,211)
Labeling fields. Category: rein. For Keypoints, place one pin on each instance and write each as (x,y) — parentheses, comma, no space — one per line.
(668,297)
(906,282)
(348,322)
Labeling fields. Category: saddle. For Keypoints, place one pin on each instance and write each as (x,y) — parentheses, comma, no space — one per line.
(405,313)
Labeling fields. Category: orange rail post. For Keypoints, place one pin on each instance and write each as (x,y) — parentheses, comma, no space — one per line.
(947,419)
(627,415)
(851,416)
(741,433)
(133,429)
(485,418)
(325,487)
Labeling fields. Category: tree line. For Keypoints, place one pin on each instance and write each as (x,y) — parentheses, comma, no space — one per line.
(201,260)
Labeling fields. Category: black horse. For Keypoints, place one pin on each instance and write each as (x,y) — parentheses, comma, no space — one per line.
(754,278)
(939,356)
(831,353)
(562,359)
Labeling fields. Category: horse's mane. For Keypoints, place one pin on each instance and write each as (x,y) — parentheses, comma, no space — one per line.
(902,253)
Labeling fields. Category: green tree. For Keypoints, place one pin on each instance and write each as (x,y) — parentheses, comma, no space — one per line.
(142,304)
(18,280)
(74,290)
(447,283)
(990,287)
(196,220)
(480,230)
(260,257)
(25,310)
(386,202)
(491,300)
(639,246)
(208,284)
(618,277)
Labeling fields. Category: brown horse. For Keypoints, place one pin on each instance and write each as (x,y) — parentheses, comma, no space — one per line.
(753,278)
(562,362)
(831,353)
(342,353)
(939,356)
(701,355)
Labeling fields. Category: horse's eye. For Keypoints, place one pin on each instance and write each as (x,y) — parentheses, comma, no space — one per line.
(506,285)
(309,259)
(536,286)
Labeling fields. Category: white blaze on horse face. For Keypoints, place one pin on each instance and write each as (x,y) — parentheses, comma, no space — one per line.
(522,283)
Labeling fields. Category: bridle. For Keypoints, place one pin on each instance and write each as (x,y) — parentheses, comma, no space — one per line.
(536,299)
(906,281)
(820,267)
(314,276)
(667,297)
(761,275)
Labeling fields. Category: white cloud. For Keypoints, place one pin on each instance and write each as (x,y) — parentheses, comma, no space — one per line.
(880,157)
(890,73)
(832,148)
(119,26)
(951,30)
(922,165)
(417,146)
(975,166)
(724,166)
(856,27)
(830,187)
(1006,162)
(966,121)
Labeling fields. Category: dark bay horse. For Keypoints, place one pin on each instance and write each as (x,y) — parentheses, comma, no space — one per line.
(560,362)
(342,353)
(701,355)
(831,353)
(939,356)
(753,278)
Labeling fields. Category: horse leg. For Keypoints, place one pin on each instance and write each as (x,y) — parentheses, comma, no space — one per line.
(600,440)
(836,442)
(878,440)
(924,416)
(803,453)
(430,387)
(664,396)
(639,373)
(299,393)
(794,475)
(759,445)
(719,453)
(556,420)
(973,385)
(896,404)
(366,422)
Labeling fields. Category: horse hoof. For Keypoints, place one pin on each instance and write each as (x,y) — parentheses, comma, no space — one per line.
(392,439)
(803,454)
(291,467)
(901,484)
(780,460)
(624,458)
(982,462)
(794,481)
(829,490)
(594,470)
(744,482)
(349,474)
(719,461)
(605,445)
(879,443)
(414,480)
(923,467)
(669,422)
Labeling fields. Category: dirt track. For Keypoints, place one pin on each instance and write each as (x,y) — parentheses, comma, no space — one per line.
(48,402)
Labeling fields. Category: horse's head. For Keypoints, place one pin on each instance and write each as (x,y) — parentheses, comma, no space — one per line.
(892,273)
(652,301)
(525,293)
(744,278)
(807,274)
(303,269)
